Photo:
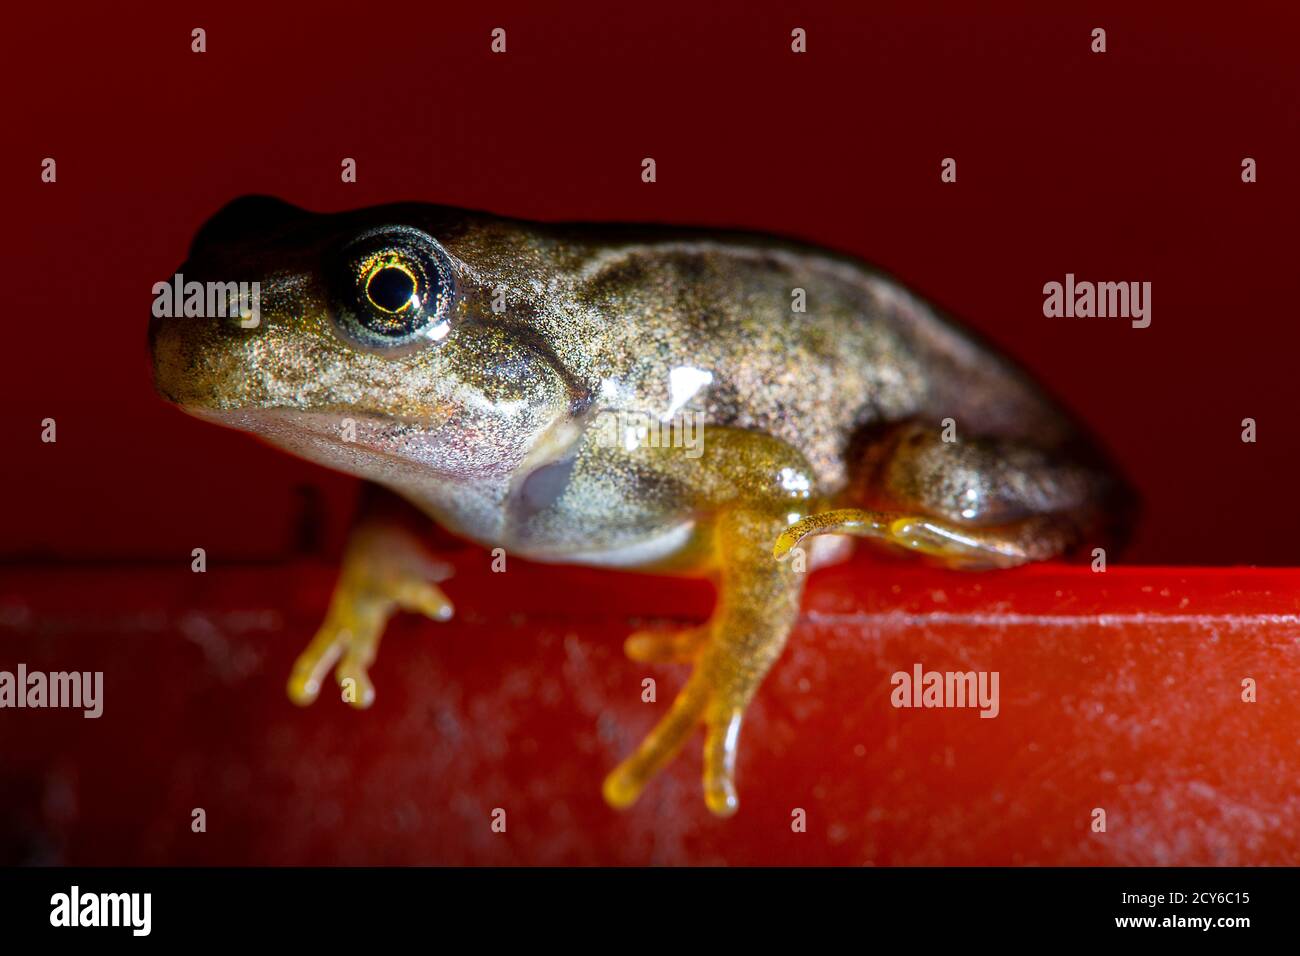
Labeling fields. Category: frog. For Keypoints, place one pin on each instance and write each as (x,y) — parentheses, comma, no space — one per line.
(679,401)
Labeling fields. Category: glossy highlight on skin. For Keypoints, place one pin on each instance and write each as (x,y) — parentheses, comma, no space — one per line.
(484,405)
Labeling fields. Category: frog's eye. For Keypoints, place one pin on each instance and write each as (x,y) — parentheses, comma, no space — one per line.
(392,289)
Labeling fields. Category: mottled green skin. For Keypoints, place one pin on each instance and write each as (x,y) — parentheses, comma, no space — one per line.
(596,319)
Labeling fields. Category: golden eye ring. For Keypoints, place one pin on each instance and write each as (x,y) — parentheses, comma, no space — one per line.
(391,285)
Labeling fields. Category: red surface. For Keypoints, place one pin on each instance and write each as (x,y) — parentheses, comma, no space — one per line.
(1119,691)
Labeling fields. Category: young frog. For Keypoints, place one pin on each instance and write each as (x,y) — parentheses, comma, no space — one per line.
(630,397)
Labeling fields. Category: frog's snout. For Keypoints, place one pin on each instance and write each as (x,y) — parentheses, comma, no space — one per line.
(171,362)
(161,386)
(165,354)
(198,325)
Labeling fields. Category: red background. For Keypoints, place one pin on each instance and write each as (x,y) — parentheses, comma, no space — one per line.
(1122,166)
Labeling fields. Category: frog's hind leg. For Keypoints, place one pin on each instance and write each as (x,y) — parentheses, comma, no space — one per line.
(758,601)
(979,504)
(751,485)
(986,504)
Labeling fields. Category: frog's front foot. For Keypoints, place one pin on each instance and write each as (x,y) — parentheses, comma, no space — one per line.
(384,570)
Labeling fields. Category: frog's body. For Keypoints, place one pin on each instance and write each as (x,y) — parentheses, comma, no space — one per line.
(504,394)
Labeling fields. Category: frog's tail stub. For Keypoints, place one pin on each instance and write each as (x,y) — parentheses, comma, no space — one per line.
(969,548)
(857,521)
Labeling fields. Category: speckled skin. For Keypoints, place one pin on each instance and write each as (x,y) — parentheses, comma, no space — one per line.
(492,428)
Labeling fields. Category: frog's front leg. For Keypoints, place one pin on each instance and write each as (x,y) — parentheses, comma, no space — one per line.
(385,569)
(757,486)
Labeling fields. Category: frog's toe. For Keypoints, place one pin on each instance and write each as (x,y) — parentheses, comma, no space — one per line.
(720,747)
(423,597)
(314,663)
(353,648)
(626,781)
(666,647)
(697,703)
(353,672)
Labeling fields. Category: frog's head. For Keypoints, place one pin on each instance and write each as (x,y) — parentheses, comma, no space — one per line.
(370,345)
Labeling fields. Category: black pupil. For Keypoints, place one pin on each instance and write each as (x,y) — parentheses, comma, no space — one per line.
(391,289)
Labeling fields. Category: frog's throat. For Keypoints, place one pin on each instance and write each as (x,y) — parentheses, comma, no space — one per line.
(371,445)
